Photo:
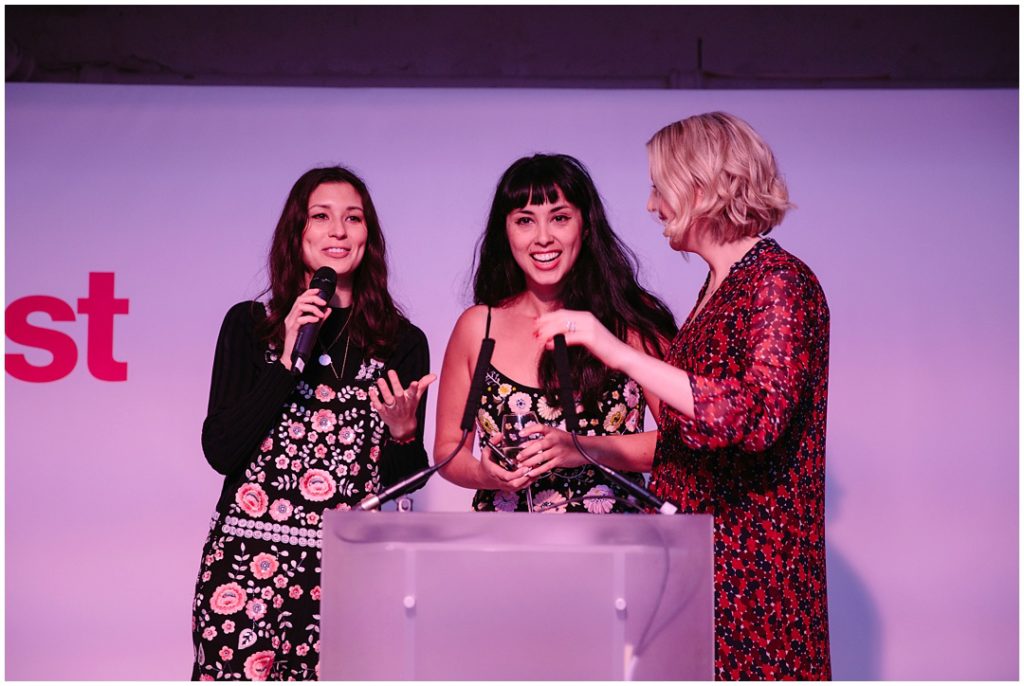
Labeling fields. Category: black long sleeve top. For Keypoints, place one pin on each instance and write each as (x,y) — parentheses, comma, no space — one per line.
(249,386)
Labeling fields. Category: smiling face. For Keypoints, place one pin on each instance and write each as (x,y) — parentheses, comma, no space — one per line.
(545,240)
(335,233)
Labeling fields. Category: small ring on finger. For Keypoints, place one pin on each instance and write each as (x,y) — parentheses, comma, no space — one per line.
(390,405)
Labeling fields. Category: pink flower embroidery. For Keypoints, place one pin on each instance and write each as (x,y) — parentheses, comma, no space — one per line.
(255,609)
(347,435)
(267,593)
(290,449)
(295,591)
(281,462)
(207,576)
(252,498)
(344,507)
(342,470)
(312,519)
(599,500)
(278,601)
(257,667)
(354,469)
(312,436)
(315,593)
(331,439)
(280,581)
(375,453)
(301,649)
(286,647)
(266,445)
(228,599)
(280,510)
(226,653)
(317,485)
(296,465)
(320,451)
(228,626)
(205,677)
(324,420)
(296,430)
(263,566)
(324,393)
(209,633)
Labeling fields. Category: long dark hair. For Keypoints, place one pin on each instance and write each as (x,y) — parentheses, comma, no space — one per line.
(375,317)
(603,279)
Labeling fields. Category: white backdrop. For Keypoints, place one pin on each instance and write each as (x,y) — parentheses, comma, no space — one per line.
(907,211)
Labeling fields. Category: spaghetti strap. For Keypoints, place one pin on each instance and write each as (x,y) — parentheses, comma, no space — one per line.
(487,332)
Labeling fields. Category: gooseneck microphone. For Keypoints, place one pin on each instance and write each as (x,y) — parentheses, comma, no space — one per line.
(476,388)
(569,412)
(325,279)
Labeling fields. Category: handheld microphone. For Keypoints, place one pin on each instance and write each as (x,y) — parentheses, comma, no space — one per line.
(324,279)
(569,412)
(419,479)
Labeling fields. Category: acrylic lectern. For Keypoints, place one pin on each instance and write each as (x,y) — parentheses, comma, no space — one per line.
(516,596)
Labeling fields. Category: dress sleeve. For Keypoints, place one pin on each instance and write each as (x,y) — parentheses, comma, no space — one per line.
(751,410)
(246,393)
(412,361)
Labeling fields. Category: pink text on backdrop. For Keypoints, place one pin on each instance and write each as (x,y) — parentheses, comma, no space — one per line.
(99,308)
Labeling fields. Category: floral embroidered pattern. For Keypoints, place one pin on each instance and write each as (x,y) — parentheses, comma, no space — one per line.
(581,489)
(257,603)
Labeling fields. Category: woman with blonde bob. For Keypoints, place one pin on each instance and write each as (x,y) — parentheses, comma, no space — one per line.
(744,393)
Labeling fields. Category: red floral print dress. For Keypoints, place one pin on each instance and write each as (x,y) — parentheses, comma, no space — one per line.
(754,457)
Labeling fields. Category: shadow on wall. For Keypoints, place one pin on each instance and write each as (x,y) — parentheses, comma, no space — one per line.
(855,632)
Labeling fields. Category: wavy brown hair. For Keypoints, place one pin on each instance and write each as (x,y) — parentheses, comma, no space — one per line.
(375,317)
(603,280)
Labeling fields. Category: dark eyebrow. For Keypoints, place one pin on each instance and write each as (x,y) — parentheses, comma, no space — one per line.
(347,209)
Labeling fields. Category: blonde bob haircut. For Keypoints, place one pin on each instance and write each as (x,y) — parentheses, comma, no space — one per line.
(718,174)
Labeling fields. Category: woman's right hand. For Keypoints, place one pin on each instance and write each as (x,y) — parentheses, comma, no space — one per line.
(309,307)
(496,477)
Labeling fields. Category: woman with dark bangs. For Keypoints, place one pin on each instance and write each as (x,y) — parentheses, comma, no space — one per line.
(548,245)
(292,446)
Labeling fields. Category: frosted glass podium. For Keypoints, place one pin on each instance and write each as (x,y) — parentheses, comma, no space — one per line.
(516,596)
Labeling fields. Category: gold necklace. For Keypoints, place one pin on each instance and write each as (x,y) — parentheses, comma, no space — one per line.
(344,359)
(325,358)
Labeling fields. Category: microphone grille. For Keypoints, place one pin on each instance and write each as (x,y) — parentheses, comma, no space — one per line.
(325,279)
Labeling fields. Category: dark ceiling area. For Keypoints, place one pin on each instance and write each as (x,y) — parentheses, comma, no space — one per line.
(518,46)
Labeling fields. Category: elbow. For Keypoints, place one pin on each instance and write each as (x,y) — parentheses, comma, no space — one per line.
(216,456)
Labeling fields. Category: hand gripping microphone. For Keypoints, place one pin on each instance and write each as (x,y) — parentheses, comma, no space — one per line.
(569,412)
(325,279)
(417,480)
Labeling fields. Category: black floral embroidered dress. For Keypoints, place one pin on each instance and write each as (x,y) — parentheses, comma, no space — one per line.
(754,457)
(256,609)
(620,410)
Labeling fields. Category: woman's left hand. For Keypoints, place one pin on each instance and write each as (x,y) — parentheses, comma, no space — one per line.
(397,405)
(580,328)
(553,449)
